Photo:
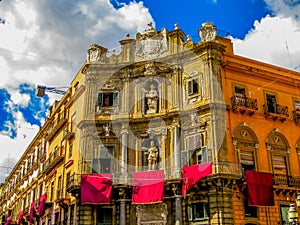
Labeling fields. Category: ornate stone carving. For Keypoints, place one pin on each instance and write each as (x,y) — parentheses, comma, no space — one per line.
(151,99)
(153,214)
(152,154)
(208,32)
(150,44)
(95,52)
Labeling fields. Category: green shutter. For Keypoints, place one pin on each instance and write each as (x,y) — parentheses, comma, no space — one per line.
(115,98)
(100,99)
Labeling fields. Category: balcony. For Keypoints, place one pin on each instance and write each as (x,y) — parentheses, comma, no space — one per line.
(296,116)
(240,103)
(276,112)
(56,125)
(285,180)
(73,184)
(106,110)
(54,158)
(69,131)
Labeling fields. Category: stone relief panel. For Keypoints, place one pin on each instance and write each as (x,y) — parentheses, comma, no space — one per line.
(154,214)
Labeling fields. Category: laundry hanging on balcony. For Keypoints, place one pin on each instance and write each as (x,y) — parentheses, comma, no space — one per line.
(20,217)
(96,188)
(192,174)
(147,187)
(260,188)
(8,220)
(42,204)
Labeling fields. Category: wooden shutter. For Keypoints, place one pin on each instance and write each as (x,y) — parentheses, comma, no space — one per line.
(247,157)
(100,99)
(115,98)
(279,164)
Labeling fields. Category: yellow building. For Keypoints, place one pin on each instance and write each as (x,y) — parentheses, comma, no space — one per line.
(181,122)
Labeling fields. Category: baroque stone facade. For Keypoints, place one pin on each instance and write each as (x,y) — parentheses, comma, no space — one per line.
(162,103)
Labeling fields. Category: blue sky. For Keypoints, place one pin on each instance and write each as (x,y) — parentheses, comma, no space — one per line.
(45,42)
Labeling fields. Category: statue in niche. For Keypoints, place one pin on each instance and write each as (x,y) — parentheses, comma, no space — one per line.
(151,99)
(152,156)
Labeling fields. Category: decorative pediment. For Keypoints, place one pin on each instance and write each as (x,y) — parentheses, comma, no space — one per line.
(277,141)
(244,134)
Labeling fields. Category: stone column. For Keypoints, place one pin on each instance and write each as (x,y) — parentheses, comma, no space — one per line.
(178,206)
(90,104)
(124,135)
(177,160)
(122,200)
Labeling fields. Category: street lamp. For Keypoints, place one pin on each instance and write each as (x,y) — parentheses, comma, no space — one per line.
(298,200)
(293,215)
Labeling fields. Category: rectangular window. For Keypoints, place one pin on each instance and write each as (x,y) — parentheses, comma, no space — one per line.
(58,190)
(271,103)
(193,141)
(247,160)
(72,216)
(103,163)
(198,211)
(193,86)
(284,212)
(108,99)
(70,150)
(239,90)
(104,216)
(279,164)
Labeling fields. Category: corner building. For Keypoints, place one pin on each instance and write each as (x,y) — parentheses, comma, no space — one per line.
(164,103)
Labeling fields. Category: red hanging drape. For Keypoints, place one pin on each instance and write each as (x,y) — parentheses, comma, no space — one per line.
(31,213)
(20,217)
(96,188)
(148,187)
(192,174)
(8,220)
(42,204)
(260,188)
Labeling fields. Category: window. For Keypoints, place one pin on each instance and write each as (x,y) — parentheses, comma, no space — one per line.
(58,190)
(41,189)
(70,150)
(271,103)
(104,161)
(284,212)
(108,99)
(247,160)
(195,153)
(104,216)
(250,211)
(279,164)
(72,210)
(239,90)
(297,104)
(52,191)
(198,211)
(193,86)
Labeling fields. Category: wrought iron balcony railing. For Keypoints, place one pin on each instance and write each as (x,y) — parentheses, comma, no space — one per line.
(276,111)
(286,180)
(54,158)
(243,104)
(296,116)
(56,125)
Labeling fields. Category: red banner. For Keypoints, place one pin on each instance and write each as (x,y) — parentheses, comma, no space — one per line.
(8,220)
(148,187)
(42,202)
(96,188)
(192,174)
(20,217)
(260,188)
(32,211)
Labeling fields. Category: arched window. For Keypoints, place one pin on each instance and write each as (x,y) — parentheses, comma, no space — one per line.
(246,144)
(278,148)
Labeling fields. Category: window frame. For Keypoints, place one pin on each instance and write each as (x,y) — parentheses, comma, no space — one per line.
(191,211)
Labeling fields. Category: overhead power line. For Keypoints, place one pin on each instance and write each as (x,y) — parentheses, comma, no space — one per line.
(40,57)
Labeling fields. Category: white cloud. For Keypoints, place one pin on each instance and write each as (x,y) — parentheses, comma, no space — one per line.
(45,42)
(273,40)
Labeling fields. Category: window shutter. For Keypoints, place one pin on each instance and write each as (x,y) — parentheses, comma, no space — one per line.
(100,99)
(204,151)
(247,157)
(115,98)
(190,87)
(279,164)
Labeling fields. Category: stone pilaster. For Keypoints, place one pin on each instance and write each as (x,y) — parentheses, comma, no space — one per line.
(220,203)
